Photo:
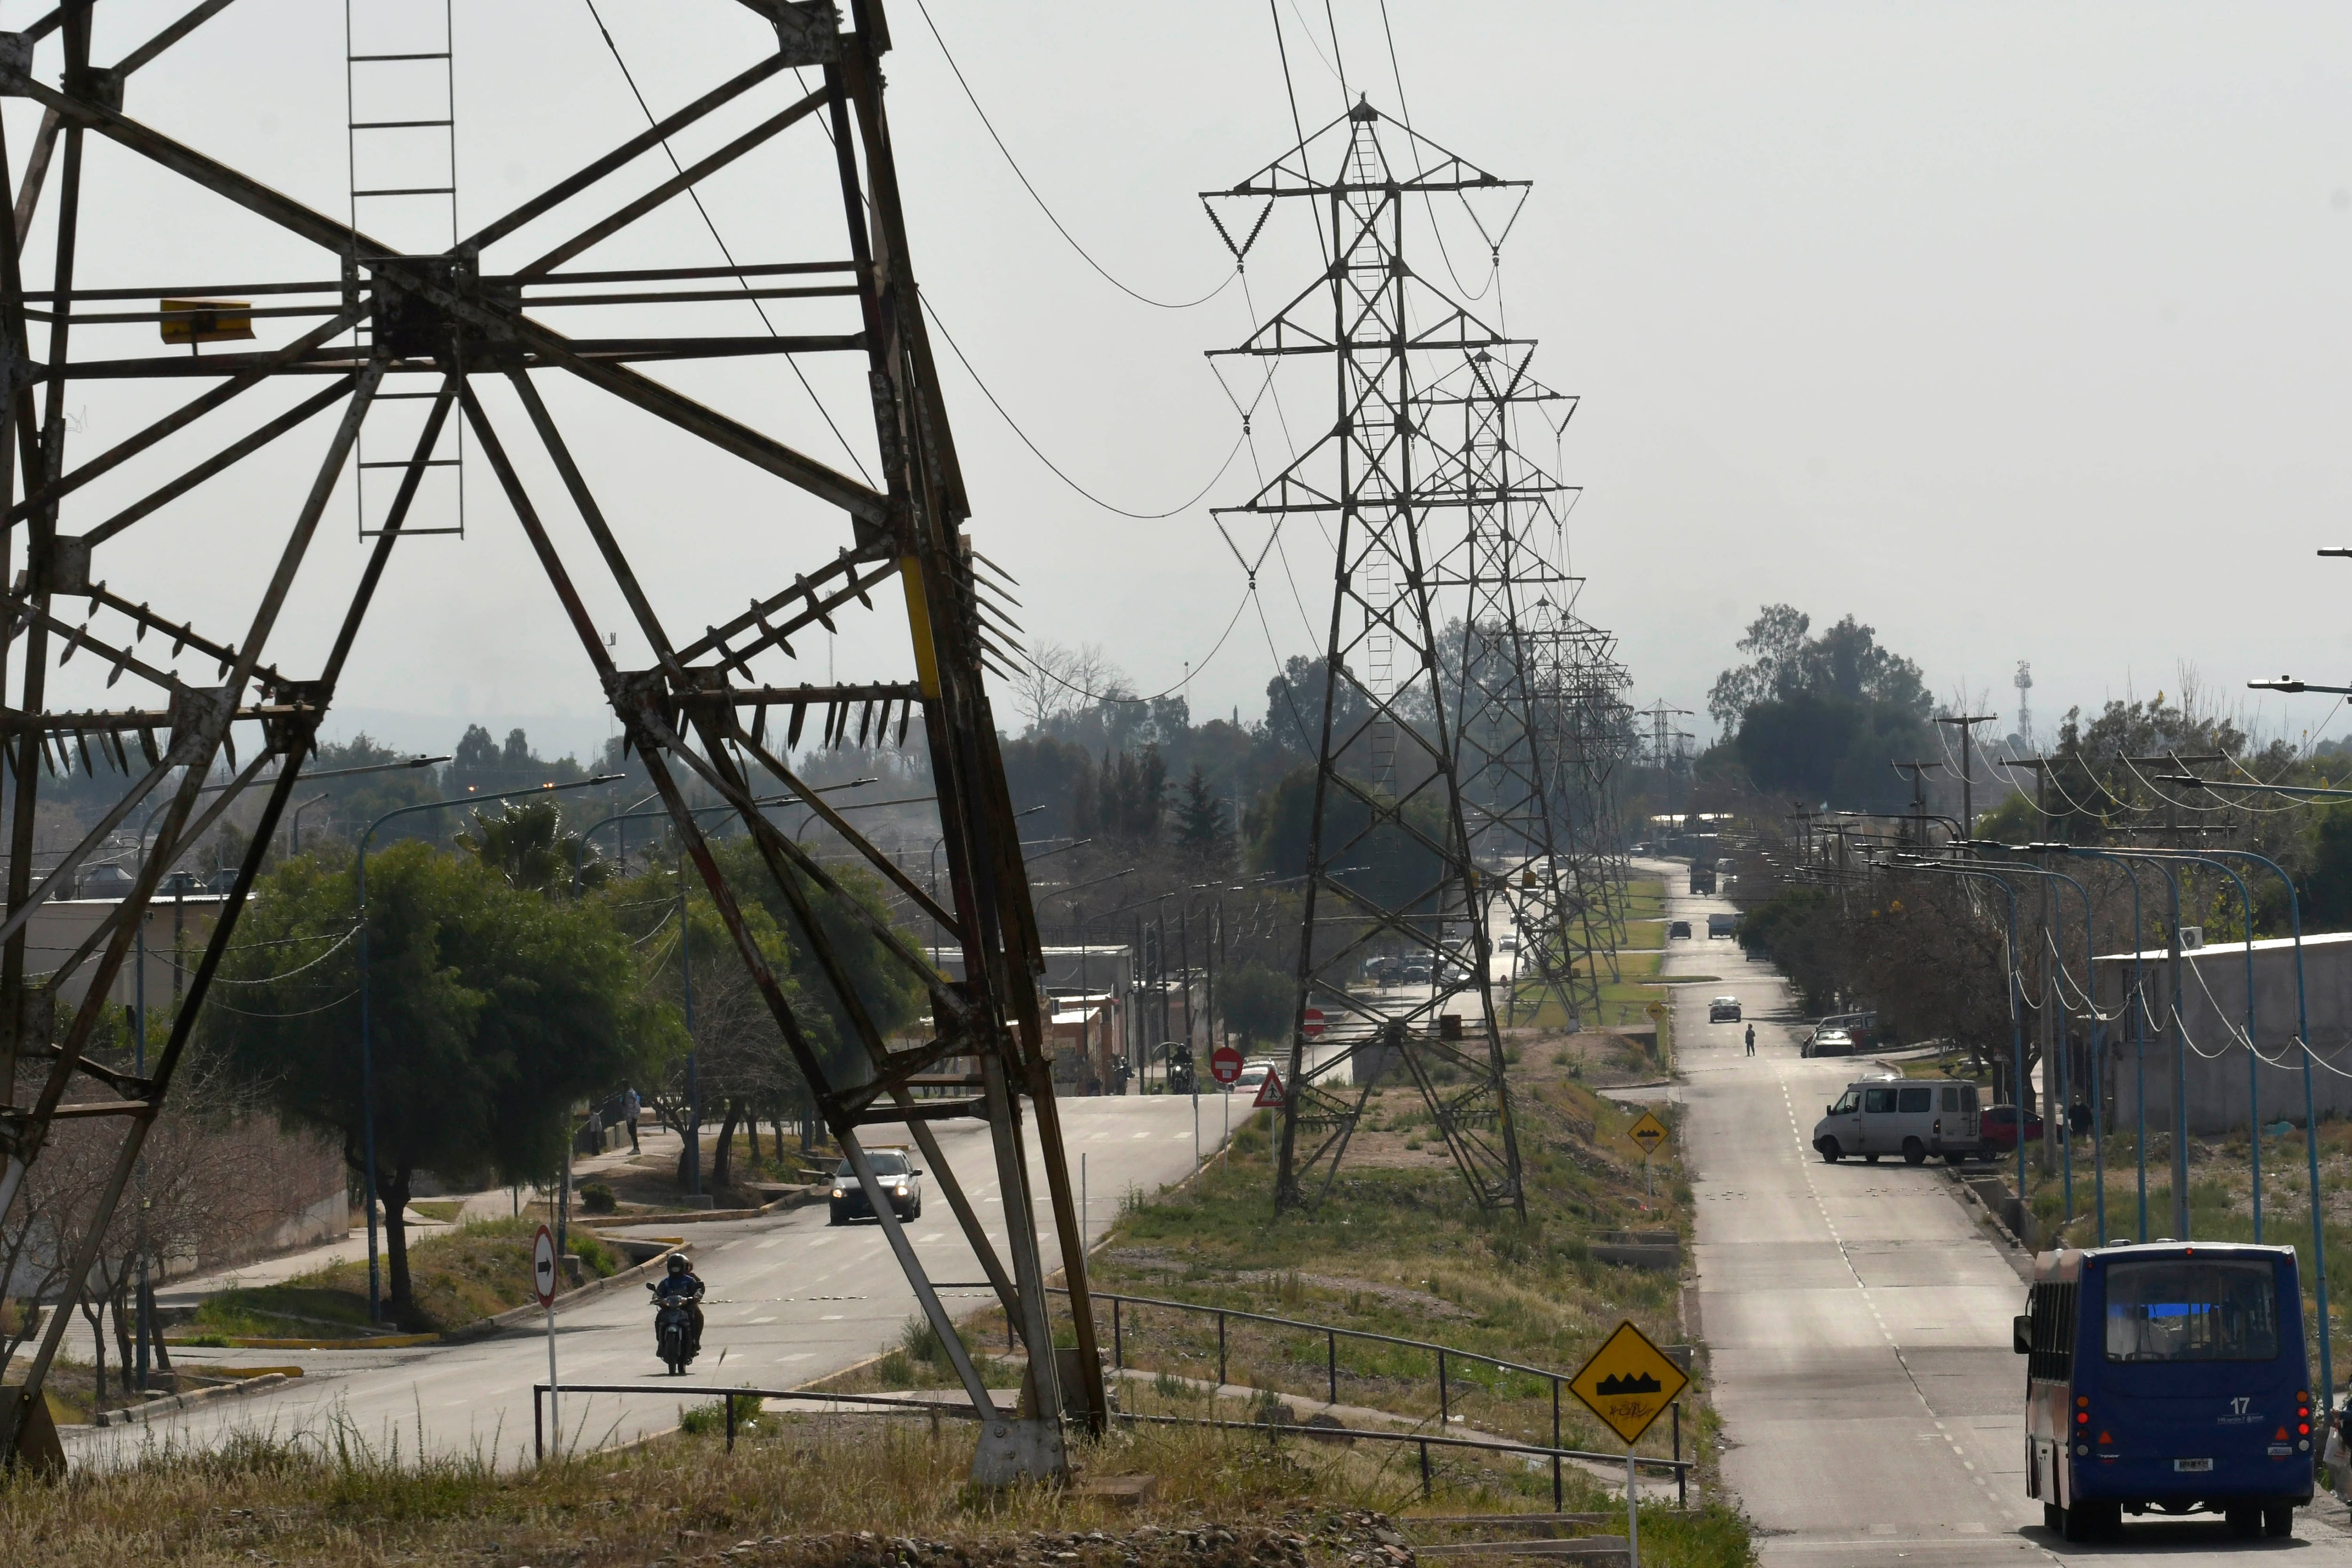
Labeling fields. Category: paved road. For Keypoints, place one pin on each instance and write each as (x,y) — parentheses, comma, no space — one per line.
(1859,1323)
(790,1300)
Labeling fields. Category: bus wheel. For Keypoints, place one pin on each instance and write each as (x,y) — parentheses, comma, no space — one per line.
(2243,1520)
(2094,1522)
(1914,1151)
(2278,1520)
(2054,1519)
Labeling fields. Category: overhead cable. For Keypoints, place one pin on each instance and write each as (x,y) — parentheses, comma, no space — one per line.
(696,196)
(1038,452)
(1059,227)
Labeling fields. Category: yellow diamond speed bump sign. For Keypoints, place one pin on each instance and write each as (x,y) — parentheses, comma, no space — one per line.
(1649,1132)
(1628,1382)
(1657,1012)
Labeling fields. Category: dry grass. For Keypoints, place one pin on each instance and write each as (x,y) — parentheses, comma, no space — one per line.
(458,1277)
(330,1498)
(1398,1248)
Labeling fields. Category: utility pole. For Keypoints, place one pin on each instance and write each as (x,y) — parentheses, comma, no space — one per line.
(2050,1024)
(1918,771)
(1968,723)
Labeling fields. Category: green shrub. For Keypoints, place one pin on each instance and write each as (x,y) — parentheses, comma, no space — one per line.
(596,1197)
(921,1341)
(704,1419)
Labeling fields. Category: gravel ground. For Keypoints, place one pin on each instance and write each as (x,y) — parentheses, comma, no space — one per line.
(1297,1540)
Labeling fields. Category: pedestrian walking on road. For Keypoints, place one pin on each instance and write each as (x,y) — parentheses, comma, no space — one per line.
(630,1106)
(1751,1039)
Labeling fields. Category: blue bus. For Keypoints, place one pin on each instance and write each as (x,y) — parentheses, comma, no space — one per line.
(2167,1378)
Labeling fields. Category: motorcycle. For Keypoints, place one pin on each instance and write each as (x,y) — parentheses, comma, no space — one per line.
(1180,1070)
(673,1330)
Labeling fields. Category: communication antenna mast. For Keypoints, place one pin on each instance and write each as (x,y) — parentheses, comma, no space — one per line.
(2023,681)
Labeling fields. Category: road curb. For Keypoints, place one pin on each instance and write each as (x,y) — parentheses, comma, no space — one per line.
(689,1217)
(250,1343)
(1969,1197)
(514,1316)
(171,1403)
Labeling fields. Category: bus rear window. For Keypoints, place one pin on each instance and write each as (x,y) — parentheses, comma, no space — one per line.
(2176,1310)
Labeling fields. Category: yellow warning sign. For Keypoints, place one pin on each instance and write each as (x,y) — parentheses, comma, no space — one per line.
(1649,1132)
(1628,1382)
(1657,1012)
(207,320)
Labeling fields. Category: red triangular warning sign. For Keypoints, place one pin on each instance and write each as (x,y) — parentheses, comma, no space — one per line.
(1269,1093)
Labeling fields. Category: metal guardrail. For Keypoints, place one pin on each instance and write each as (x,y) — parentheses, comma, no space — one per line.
(935,1408)
(912,1407)
(1332,1334)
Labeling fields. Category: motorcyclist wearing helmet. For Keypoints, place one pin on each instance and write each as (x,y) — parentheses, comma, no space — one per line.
(681,1283)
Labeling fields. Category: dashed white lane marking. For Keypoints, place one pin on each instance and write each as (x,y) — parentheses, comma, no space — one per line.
(1805,1154)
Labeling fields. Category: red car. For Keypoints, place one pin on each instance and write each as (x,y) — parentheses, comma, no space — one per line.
(1997,1127)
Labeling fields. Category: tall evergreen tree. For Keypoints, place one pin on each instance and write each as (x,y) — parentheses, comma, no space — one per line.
(1201,826)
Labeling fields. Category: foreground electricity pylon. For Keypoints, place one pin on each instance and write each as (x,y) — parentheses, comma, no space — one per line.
(1389,869)
(1522,838)
(467,328)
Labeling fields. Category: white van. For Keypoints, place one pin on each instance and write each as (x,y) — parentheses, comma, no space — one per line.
(1911,1117)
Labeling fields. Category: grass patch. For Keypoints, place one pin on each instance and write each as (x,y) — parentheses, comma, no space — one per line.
(458,1277)
(1644,934)
(920,1361)
(445,1210)
(789,1496)
(1397,1248)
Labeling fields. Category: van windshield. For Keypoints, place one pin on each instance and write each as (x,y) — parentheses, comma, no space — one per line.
(2192,1309)
(1848,1103)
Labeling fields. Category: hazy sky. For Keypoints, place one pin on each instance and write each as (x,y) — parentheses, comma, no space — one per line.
(2018,330)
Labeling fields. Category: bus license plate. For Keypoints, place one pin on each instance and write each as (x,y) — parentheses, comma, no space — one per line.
(2192,1466)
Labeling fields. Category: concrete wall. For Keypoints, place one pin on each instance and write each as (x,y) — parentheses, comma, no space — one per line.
(180,926)
(2213,1015)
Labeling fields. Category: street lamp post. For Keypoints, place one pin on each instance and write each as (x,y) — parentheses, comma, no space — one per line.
(367,1052)
(2066,1054)
(2016,1003)
(139,991)
(294,840)
(693,1136)
(2310,1115)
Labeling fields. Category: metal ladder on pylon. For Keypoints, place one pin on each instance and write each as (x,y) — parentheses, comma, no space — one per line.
(400,88)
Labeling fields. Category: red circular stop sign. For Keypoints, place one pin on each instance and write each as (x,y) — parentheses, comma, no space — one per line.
(1225,1064)
(1312,1022)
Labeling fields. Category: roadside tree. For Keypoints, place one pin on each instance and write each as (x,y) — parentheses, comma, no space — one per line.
(492,1011)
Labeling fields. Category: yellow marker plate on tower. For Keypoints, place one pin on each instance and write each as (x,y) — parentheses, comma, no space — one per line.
(1649,1132)
(1628,1382)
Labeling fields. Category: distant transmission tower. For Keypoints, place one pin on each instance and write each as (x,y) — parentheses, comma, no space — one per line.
(2023,681)
(1388,858)
(1530,856)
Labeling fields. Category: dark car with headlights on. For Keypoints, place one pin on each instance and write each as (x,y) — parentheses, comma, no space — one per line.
(900,1179)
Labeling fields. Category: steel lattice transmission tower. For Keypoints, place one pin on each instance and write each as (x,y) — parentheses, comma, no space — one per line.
(468,326)
(1389,856)
(1585,728)
(1526,846)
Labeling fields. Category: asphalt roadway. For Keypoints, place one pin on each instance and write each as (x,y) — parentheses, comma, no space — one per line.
(1858,1321)
(791,1298)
